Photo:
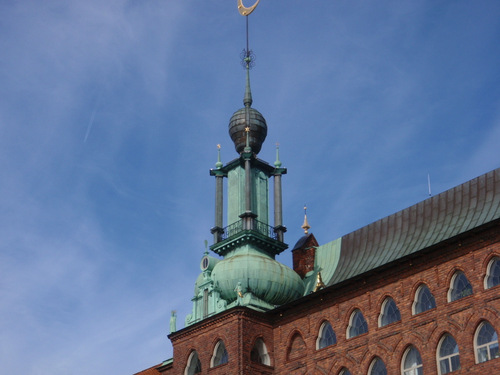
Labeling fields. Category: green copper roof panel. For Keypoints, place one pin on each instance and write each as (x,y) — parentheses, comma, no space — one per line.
(427,223)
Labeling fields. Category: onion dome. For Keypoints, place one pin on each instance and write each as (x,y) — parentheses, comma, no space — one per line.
(264,277)
(258,129)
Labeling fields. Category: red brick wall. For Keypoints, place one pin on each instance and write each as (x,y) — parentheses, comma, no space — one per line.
(459,318)
(239,328)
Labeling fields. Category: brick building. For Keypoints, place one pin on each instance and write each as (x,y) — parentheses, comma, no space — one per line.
(417,292)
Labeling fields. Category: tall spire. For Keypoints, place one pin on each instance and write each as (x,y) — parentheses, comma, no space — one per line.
(247,100)
(247,116)
(306,225)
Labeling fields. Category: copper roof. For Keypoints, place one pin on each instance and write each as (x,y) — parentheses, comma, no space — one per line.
(427,223)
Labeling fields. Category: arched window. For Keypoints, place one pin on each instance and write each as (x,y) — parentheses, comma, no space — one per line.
(486,343)
(424,300)
(448,356)
(492,274)
(460,287)
(344,371)
(193,364)
(412,362)
(259,353)
(389,313)
(377,367)
(219,357)
(326,336)
(357,324)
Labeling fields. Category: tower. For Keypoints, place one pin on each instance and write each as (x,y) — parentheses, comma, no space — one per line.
(248,275)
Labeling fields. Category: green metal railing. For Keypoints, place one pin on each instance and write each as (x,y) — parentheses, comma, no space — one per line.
(257,226)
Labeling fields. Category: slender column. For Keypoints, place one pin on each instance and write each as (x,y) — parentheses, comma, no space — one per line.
(218,208)
(278,210)
(219,174)
(248,186)
(248,216)
(279,229)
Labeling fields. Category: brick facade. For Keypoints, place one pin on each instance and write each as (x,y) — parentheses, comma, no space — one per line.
(290,332)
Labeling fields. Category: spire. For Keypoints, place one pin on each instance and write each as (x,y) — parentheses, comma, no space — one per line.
(219,164)
(247,100)
(277,163)
(306,225)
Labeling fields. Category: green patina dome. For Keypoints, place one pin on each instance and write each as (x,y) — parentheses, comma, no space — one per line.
(258,129)
(263,276)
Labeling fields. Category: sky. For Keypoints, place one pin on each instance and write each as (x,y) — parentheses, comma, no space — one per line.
(110,116)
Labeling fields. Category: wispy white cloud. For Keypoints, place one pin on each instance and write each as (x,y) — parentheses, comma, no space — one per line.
(109,117)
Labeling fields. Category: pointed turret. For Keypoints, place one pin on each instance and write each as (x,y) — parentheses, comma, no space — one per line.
(248,275)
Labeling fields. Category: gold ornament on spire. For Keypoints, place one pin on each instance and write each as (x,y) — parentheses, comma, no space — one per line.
(319,283)
(244,11)
(306,225)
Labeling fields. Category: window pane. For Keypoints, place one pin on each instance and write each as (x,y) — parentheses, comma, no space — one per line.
(378,368)
(486,343)
(220,355)
(449,358)
(358,325)
(448,346)
(493,274)
(327,336)
(455,362)
(482,354)
(412,359)
(460,287)
(390,313)
(444,366)
(486,334)
(424,300)
(194,365)
(494,350)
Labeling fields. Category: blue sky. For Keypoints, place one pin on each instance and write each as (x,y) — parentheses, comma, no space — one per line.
(110,113)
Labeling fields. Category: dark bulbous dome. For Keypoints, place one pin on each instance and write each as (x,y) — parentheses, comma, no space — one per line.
(258,130)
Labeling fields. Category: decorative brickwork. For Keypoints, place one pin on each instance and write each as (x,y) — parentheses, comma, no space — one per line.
(290,332)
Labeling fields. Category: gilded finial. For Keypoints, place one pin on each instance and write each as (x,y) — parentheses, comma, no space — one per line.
(306,225)
(277,163)
(244,11)
(247,145)
(219,164)
(319,283)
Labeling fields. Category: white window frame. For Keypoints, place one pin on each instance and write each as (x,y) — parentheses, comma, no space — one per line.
(447,357)
(412,370)
(417,297)
(487,345)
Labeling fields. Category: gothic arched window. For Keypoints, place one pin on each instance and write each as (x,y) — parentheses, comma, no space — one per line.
(486,343)
(357,324)
(377,367)
(424,300)
(344,371)
(193,364)
(220,356)
(448,356)
(412,362)
(492,274)
(460,287)
(259,353)
(326,336)
(389,313)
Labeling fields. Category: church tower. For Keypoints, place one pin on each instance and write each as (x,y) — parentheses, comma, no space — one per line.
(248,275)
